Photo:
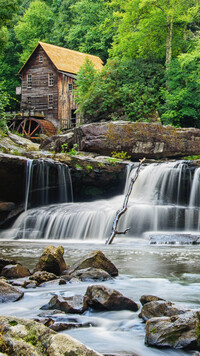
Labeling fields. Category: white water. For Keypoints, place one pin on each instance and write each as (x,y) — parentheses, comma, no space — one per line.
(47,182)
(165,197)
(170,272)
(164,200)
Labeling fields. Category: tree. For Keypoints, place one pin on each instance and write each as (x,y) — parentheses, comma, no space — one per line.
(34,26)
(182,96)
(123,89)
(7,10)
(154,29)
(63,20)
(88,32)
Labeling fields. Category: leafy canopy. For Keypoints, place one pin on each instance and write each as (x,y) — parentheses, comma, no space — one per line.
(34,26)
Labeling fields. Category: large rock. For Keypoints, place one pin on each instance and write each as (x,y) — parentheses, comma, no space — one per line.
(15,271)
(97,260)
(180,331)
(27,337)
(9,293)
(52,260)
(43,276)
(160,308)
(75,304)
(138,139)
(101,298)
(5,261)
(147,298)
(91,274)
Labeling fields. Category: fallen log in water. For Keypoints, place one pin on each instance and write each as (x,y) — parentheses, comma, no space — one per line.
(124,208)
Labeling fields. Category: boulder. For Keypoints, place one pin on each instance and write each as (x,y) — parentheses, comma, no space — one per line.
(148,298)
(27,337)
(9,293)
(15,271)
(97,260)
(178,331)
(138,139)
(91,274)
(160,308)
(101,298)
(75,304)
(42,277)
(4,262)
(54,143)
(52,260)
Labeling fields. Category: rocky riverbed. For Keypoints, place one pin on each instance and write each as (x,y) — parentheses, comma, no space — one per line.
(167,324)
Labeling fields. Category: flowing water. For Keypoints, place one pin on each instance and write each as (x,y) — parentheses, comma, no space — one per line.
(164,203)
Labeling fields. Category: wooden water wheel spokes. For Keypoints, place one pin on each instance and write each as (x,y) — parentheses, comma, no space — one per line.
(32,128)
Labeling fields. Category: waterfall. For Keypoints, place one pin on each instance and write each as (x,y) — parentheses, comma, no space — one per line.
(165,199)
(47,182)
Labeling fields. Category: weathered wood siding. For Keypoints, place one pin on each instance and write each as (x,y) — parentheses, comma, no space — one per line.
(37,97)
(66,102)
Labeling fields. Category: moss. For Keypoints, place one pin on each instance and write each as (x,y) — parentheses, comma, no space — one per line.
(153,331)
(197,331)
(32,339)
(13,323)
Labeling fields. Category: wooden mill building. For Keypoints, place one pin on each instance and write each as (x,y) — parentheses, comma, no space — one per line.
(48,78)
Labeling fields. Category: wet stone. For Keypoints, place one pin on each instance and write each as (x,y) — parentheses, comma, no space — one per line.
(9,293)
(101,298)
(15,271)
(74,304)
(96,260)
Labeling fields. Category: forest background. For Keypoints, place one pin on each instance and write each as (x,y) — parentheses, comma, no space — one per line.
(150,50)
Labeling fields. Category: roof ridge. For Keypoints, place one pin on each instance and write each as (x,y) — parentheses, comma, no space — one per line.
(68,49)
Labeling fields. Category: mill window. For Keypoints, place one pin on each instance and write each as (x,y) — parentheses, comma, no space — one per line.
(29,81)
(50,100)
(40,58)
(50,79)
(70,87)
(29,100)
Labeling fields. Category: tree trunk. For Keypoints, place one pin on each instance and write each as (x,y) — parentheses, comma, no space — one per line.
(169,41)
(124,208)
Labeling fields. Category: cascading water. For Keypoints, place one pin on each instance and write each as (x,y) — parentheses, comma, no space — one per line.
(165,198)
(47,182)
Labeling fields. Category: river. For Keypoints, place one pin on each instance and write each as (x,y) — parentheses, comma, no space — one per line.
(163,208)
(170,272)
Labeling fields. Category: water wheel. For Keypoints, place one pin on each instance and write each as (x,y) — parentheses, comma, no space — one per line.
(32,128)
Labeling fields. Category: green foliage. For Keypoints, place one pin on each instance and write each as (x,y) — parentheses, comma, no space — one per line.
(192,158)
(143,28)
(120,155)
(4,104)
(77,166)
(182,97)
(112,160)
(7,11)
(89,168)
(127,89)
(72,151)
(88,31)
(34,26)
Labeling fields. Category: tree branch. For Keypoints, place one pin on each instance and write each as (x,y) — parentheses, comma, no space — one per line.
(124,208)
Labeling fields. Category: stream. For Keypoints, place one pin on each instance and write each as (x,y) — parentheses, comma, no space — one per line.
(159,255)
(170,272)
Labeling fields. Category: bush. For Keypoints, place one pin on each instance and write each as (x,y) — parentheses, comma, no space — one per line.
(123,89)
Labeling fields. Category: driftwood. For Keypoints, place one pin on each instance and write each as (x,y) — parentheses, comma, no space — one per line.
(124,208)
